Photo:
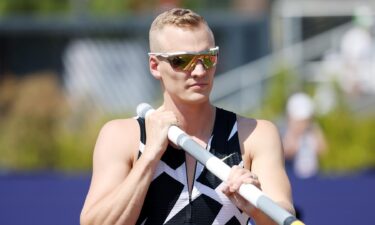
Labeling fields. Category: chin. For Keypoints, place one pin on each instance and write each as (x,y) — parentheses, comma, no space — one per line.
(196,99)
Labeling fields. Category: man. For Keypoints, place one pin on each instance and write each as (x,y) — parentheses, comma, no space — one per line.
(136,181)
(303,141)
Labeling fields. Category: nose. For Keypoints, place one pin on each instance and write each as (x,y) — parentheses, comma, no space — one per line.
(199,69)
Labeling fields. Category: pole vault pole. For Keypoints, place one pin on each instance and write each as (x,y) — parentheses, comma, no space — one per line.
(222,170)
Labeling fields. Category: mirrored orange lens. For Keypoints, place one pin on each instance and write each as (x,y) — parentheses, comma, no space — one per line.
(188,62)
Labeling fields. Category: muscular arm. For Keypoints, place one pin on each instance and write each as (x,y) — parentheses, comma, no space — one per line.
(117,190)
(120,182)
(263,154)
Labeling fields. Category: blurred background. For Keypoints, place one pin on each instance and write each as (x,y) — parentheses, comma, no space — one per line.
(68,66)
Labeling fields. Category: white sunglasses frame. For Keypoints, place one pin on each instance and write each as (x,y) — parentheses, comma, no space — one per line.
(211,51)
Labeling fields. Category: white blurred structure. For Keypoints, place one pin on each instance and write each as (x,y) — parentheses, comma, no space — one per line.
(242,89)
(111,76)
(357,54)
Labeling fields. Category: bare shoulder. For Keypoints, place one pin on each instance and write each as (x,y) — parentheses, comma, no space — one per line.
(114,153)
(264,157)
(258,135)
(119,126)
(117,139)
(256,128)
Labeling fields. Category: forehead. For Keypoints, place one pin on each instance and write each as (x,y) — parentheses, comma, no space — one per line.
(174,38)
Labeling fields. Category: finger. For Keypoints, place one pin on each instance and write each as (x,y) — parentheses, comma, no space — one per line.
(238,181)
(225,189)
(253,182)
(242,176)
(238,200)
(237,173)
(175,122)
(233,177)
(164,117)
(234,173)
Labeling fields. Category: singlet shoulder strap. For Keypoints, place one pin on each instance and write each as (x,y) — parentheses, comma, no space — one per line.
(224,122)
(225,137)
(142,126)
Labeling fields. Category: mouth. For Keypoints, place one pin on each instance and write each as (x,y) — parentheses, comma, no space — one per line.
(198,85)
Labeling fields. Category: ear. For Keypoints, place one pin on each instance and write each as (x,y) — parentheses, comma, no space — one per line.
(154,67)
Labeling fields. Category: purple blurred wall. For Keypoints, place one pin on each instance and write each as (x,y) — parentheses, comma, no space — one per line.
(52,199)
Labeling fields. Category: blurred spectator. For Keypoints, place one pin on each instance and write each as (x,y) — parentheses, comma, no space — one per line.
(303,140)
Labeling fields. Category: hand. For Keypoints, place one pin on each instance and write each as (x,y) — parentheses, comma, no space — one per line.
(157,125)
(237,177)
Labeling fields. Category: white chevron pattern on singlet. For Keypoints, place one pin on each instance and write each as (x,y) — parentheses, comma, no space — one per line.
(227,211)
(234,130)
(178,174)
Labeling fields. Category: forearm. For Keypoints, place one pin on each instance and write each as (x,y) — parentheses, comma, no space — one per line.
(123,204)
(261,218)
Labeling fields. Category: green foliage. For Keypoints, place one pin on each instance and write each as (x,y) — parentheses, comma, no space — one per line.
(33,6)
(276,94)
(351,142)
(111,6)
(76,143)
(99,7)
(36,131)
(28,123)
(350,137)
(193,4)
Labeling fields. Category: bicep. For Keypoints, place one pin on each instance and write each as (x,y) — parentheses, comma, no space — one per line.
(267,161)
(273,178)
(112,160)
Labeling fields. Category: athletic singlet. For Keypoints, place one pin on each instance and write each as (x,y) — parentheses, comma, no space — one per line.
(168,200)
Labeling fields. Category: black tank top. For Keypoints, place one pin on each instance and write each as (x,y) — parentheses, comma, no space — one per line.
(168,200)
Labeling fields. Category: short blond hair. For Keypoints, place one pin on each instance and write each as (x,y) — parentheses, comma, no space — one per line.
(176,17)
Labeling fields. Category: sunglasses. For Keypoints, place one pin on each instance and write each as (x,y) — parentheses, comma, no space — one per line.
(186,61)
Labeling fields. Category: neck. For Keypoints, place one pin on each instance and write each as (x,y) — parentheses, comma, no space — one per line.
(195,119)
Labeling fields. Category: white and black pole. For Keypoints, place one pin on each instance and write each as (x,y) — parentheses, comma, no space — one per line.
(222,170)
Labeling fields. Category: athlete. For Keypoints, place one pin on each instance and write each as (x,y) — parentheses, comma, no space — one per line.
(139,177)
